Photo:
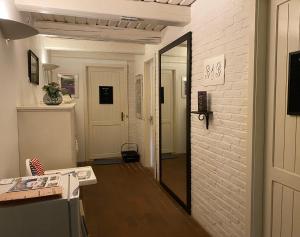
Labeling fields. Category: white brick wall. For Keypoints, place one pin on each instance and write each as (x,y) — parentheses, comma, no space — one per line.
(219,154)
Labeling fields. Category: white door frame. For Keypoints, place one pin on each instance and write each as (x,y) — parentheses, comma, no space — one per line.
(86,109)
(256,122)
(149,79)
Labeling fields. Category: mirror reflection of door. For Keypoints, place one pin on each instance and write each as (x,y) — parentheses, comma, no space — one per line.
(173,118)
(167,112)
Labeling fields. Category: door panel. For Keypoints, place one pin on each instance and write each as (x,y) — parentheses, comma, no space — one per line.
(105,141)
(280,105)
(287,211)
(286,219)
(296,215)
(282,136)
(297,162)
(277,202)
(108,129)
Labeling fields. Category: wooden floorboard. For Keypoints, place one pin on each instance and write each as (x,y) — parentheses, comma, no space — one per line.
(127,201)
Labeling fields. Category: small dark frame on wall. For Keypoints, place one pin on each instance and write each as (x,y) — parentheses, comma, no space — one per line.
(294,84)
(33,68)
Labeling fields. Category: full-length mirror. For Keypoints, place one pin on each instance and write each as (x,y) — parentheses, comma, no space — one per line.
(175,97)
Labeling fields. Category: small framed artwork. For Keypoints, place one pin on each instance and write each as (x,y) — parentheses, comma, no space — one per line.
(69,84)
(33,68)
(183,86)
(139,96)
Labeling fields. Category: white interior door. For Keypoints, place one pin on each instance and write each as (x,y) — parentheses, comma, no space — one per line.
(108,111)
(167,88)
(282,190)
(149,131)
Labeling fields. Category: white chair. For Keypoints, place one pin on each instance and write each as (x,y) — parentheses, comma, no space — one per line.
(28,169)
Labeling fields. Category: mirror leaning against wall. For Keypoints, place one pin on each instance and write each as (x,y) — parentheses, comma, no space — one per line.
(175,124)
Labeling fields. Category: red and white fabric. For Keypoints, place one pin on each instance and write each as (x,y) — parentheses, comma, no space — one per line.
(36,167)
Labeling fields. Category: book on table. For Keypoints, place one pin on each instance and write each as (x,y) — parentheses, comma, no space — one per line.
(33,187)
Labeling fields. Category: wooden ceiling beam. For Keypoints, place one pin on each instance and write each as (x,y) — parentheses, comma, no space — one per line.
(97,32)
(163,14)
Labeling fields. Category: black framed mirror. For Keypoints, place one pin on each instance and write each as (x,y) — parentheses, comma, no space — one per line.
(175,62)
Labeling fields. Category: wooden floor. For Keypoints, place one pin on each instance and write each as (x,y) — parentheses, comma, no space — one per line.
(174,175)
(127,202)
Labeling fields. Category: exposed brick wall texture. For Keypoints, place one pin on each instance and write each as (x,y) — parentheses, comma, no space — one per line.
(219,154)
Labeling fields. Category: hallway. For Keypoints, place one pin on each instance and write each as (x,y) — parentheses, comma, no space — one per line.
(128,202)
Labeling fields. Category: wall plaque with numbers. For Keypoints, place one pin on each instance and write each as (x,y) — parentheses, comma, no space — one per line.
(214,71)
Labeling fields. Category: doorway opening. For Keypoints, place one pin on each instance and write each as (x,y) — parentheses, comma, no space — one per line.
(149,129)
(107,100)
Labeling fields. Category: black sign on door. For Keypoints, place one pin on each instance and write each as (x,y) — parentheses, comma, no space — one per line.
(162,95)
(106,95)
(294,84)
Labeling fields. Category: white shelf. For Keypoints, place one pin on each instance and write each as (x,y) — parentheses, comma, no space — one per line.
(44,107)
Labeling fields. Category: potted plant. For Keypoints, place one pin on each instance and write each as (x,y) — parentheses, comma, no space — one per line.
(53,94)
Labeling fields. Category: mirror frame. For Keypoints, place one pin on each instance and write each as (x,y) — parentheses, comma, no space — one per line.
(187,37)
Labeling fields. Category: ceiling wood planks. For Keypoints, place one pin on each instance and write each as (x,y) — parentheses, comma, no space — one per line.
(175,2)
(187,2)
(166,14)
(172,2)
(97,32)
(116,21)
(140,25)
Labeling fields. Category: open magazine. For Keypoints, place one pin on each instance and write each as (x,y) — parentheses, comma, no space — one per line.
(83,174)
(32,183)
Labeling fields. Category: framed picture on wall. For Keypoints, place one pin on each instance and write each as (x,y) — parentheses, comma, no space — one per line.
(139,96)
(33,68)
(69,84)
(183,86)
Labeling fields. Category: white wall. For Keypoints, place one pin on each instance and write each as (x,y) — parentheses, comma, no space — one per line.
(140,122)
(52,43)
(219,155)
(76,62)
(15,89)
(29,94)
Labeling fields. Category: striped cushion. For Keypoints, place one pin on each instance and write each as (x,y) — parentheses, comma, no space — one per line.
(36,167)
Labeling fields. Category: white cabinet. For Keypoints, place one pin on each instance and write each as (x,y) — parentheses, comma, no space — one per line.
(48,133)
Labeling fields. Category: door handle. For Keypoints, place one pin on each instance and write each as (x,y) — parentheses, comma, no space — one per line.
(122,116)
